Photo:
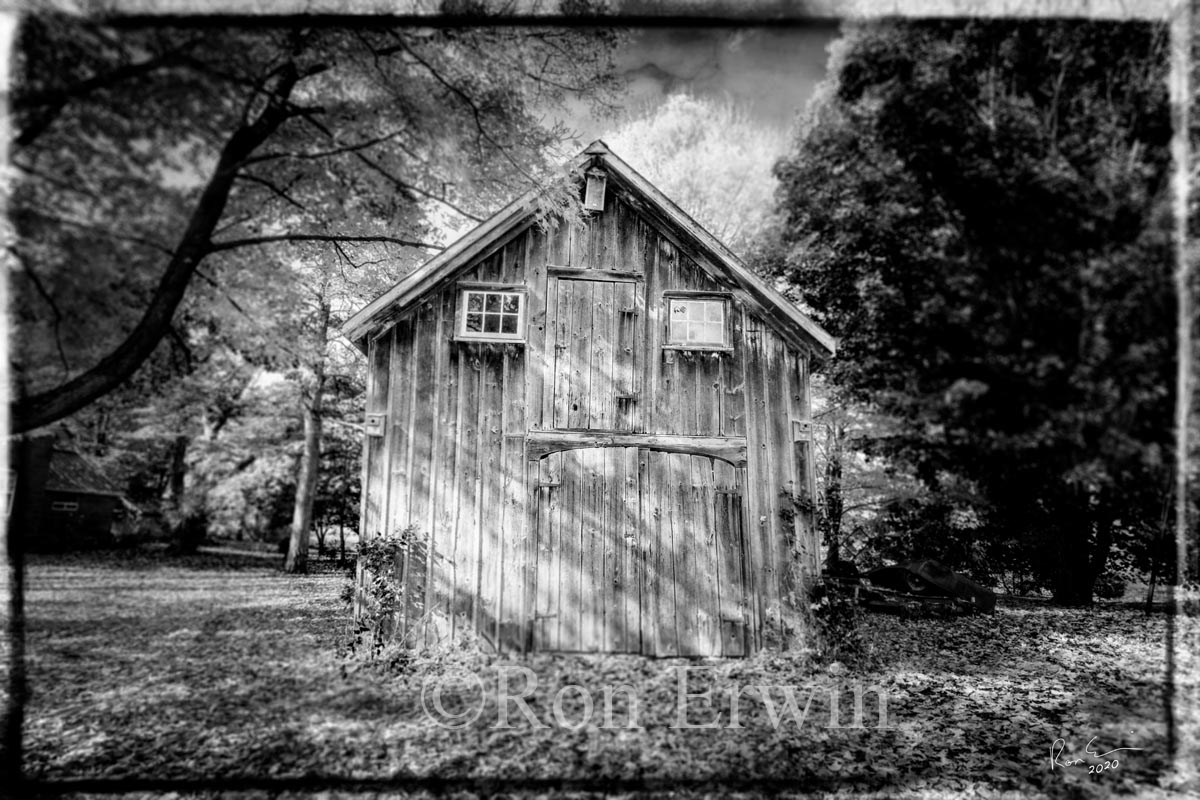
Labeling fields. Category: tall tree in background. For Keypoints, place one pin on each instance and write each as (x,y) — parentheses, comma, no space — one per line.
(711,159)
(976,209)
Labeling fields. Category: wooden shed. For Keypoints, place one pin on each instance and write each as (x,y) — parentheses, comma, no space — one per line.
(599,436)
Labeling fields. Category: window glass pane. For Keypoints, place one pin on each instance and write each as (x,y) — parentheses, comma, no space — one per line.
(678,330)
(491,323)
(508,324)
(474,301)
(493,302)
(512,303)
(715,311)
(474,322)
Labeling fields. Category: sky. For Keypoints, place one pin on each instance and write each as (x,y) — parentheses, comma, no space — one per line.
(770,71)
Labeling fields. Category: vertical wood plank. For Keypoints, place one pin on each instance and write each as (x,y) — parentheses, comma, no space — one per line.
(539,355)
(667,489)
(784,486)
(376,476)
(559,241)
(563,351)
(485,610)
(624,381)
(632,541)
(579,374)
(581,240)
(591,601)
(601,403)
(733,378)
(651,331)
(513,529)
(733,596)
(441,549)
(532,563)
(571,532)
(646,553)
(466,563)
(757,471)
(422,423)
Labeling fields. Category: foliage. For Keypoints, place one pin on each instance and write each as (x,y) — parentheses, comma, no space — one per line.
(161,151)
(376,633)
(151,684)
(711,159)
(977,210)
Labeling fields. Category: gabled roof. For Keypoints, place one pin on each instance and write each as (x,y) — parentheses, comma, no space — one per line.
(699,243)
(72,472)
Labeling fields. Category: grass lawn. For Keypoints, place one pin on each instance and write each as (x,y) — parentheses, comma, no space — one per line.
(219,666)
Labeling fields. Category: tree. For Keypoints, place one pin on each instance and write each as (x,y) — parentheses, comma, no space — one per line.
(976,209)
(712,159)
(158,151)
(232,154)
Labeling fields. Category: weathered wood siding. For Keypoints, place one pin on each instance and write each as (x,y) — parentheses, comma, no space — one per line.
(620,548)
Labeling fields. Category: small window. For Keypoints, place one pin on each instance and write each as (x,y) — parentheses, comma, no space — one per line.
(696,322)
(492,315)
(64,506)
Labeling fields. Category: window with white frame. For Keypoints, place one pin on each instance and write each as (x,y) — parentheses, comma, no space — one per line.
(492,314)
(62,505)
(697,322)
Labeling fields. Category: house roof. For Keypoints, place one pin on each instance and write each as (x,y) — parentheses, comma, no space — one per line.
(706,249)
(72,472)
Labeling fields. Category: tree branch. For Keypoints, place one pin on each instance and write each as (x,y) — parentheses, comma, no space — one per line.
(281,193)
(336,151)
(216,247)
(58,317)
(46,407)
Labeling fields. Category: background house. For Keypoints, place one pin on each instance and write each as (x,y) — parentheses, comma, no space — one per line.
(61,499)
(598,436)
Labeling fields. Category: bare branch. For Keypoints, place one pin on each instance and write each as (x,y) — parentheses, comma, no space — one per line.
(282,193)
(58,317)
(336,151)
(216,247)
(404,185)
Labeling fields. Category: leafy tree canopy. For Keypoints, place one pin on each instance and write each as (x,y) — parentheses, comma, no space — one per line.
(146,156)
(977,210)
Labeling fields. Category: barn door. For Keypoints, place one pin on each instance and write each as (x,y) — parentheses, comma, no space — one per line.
(696,576)
(596,351)
(640,551)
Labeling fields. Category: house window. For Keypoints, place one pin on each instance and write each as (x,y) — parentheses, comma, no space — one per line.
(492,315)
(697,322)
(64,506)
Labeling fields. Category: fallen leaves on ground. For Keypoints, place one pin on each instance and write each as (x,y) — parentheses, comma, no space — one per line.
(215,667)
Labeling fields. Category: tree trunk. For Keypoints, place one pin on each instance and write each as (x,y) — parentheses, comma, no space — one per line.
(310,459)
(306,490)
(41,409)
(831,519)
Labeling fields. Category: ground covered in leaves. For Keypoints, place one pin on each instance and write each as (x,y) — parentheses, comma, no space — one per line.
(142,667)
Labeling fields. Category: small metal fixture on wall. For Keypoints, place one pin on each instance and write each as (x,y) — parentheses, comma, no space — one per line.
(593,199)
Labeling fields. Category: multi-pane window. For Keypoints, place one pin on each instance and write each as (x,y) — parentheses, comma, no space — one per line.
(64,506)
(698,322)
(492,314)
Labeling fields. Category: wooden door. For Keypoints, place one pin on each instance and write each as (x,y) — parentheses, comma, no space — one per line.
(640,551)
(596,350)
